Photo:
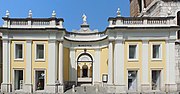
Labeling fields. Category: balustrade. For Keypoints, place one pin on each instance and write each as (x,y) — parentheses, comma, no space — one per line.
(140,21)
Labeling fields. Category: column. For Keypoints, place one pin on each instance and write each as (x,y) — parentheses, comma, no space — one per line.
(81,72)
(145,83)
(96,67)
(61,70)
(52,67)
(28,70)
(6,86)
(119,66)
(110,63)
(88,71)
(73,66)
(170,66)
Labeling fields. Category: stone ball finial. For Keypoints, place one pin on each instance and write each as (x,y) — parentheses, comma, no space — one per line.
(7,13)
(54,14)
(118,12)
(30,14)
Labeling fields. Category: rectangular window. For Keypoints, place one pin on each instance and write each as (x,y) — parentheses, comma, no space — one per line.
(155,83)
(18,79)
(132,51)
(39,79)
(18,51)
(40,51)
(132,80)
(156,51)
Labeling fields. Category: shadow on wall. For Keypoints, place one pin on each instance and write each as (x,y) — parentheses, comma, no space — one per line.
(1,59)
(68,84)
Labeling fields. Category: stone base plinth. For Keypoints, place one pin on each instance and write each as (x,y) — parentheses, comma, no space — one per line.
(145,87)
(170,87)
(60,89)
(116,89)
(6,87)
(28,88)
(51,89)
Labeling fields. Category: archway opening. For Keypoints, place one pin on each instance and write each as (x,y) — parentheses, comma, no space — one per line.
(84,68)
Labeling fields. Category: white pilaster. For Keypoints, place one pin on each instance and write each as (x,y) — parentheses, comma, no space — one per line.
(73,66)
(145,83)
(96,67)
(52,66)
(61,62)
(28,70)
(119,62)
(170,66)
(6,86)
(110,63)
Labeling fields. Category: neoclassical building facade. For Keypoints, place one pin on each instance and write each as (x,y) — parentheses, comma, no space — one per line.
(133,54)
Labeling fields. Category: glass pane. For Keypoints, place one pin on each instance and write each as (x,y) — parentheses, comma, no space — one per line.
(40,51)
(132,51)
(156,51)
(19,51)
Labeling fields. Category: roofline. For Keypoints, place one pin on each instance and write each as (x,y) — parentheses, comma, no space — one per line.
(4,29)
(51,18)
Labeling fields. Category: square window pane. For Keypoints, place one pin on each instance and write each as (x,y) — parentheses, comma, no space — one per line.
(19,51)
(156,51)
(40,51)
(132,51)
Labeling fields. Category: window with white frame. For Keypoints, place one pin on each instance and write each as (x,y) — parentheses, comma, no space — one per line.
(156,51)
(133,53)
(18,51)
(40,51)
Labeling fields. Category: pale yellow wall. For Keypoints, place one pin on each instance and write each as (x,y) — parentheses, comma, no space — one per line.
(104,61)
(66,64)
(18,64)
(43,65)
(132,65)
(157,64)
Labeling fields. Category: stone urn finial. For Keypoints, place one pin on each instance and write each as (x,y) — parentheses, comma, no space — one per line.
(30,14)
(118,13)
(7,14)
(54,14)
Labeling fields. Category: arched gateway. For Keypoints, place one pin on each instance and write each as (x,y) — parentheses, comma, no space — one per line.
(84,68)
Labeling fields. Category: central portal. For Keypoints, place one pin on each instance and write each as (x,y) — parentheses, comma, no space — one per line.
(84,69)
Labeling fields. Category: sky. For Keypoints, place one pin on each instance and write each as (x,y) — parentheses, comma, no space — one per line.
(97,11)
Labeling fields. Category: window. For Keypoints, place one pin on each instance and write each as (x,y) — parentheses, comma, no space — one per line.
(156,51)
(132,80)
(18,79)
(39,79)
(40,49)
(178,18)
(133,53)
(156,79)
(178,34)
(18,51)
(140,6)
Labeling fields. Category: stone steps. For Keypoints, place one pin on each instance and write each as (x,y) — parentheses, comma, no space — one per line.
(87,90)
